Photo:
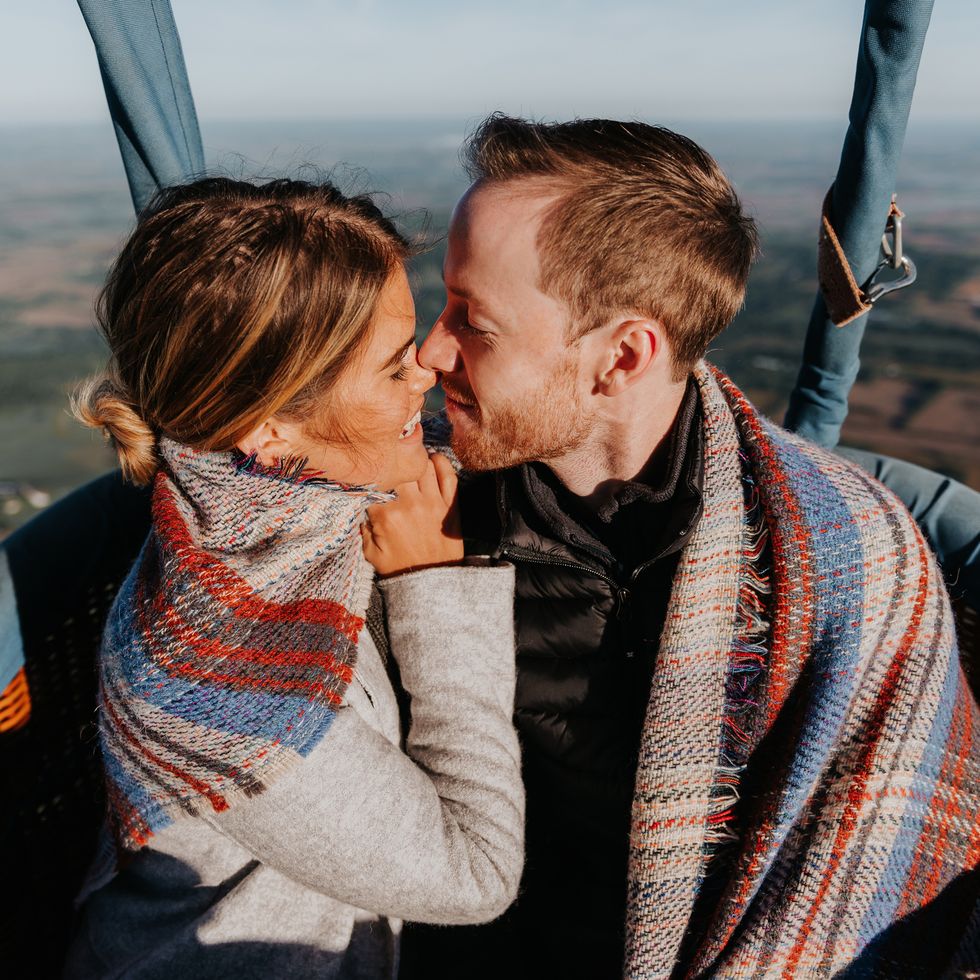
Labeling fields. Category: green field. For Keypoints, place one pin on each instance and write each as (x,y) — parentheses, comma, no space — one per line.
(66,210)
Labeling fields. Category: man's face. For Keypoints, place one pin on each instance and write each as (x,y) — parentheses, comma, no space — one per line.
(515,386)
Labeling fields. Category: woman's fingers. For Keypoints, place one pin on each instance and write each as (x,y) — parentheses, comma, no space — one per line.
(448,483)
(367,541)
(445,476)
(428,482)
(420,528)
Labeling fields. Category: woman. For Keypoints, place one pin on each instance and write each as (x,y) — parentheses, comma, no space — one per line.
(266,822)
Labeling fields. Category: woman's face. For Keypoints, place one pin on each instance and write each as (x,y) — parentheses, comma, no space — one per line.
(377,403)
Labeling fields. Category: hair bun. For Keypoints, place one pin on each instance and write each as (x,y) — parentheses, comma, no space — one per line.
(101,403)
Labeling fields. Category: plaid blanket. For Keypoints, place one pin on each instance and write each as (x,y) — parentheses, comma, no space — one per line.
(857,821)
(232,640)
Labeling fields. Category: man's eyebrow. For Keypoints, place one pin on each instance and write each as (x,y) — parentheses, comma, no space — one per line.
(396,358)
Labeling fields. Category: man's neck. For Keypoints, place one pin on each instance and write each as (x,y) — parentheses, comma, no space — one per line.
(626,444)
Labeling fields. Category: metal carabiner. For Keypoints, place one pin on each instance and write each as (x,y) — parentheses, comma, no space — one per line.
(874,290)
(893,257)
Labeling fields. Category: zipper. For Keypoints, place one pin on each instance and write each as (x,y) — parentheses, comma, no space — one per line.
(622,593)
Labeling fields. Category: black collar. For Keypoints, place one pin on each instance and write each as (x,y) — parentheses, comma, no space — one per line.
(644,521)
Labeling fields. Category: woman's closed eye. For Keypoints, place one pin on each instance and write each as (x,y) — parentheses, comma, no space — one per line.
(404,367)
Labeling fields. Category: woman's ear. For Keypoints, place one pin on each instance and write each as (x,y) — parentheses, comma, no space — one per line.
(271,440)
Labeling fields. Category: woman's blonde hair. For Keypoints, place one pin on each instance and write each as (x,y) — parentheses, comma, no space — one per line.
(232,302)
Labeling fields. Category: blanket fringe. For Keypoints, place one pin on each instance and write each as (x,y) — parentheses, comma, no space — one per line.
(747,664)
(292,469)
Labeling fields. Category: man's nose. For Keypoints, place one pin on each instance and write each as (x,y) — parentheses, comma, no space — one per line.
(423,379)
(439,352)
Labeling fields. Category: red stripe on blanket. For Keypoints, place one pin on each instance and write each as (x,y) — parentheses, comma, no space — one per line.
(128,823)
(230,589)
(215,799)
(912,889)
(962,723)
(856,790)
(909,898)
(212,648)
(162,657)
(973,844)
(312,689)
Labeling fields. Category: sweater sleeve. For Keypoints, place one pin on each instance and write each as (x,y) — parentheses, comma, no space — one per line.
(435,833)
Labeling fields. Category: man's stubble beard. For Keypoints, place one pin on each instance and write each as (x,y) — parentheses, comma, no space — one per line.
(545,424)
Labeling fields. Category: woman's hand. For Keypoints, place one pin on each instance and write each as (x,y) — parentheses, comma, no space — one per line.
(419,529)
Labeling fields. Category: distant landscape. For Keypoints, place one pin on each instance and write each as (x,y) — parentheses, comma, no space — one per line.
(65,210)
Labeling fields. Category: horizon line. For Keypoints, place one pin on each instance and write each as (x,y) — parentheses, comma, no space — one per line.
(467,119)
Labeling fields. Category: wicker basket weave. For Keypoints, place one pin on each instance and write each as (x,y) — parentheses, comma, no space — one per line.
(67,565)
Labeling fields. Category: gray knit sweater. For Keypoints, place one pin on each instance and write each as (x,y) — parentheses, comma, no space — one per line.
(313,877)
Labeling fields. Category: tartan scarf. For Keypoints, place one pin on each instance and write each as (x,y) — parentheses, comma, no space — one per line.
(233,638)
(855,821)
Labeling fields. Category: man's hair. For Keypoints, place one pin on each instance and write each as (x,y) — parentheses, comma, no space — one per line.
(644,222)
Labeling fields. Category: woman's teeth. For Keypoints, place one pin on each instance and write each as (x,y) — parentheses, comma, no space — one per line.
(410,425)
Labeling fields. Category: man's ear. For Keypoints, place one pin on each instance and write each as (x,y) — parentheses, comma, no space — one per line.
(271,440)
(631,349)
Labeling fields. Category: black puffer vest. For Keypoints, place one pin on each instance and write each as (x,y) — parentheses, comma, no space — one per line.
(590,605)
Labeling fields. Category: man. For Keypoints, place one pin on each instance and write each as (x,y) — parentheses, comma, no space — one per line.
(748,746)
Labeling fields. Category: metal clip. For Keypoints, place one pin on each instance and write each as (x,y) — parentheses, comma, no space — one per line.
(892,258)
(893,226)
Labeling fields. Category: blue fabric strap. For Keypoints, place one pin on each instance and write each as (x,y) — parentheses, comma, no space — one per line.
(11,644)
(892,37)
(148,92)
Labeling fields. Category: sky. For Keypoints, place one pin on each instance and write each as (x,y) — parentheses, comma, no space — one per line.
(384,59)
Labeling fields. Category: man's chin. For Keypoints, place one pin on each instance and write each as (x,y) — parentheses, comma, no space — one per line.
(477,453)
(529,430)
(472,462)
